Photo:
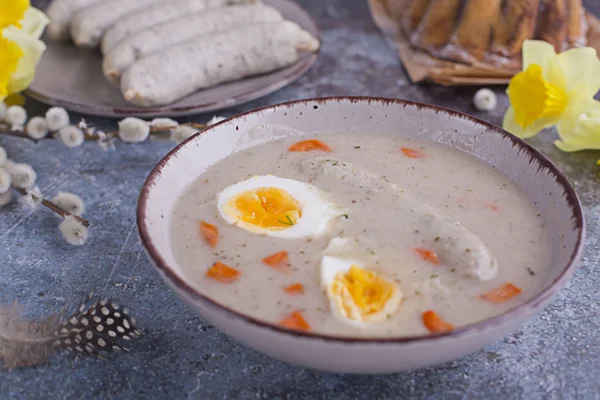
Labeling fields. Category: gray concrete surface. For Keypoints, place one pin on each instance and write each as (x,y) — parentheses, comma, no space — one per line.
(554,356)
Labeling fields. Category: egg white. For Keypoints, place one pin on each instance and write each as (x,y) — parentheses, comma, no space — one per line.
(317,209)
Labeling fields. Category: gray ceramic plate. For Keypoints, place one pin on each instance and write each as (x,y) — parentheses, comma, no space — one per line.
(72,78)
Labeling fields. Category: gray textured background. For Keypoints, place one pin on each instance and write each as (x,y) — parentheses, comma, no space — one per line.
(555,356)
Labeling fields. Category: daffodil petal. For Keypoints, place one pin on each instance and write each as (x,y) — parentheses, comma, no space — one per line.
(592,142)
(580,131)
(34,23)
(578,109)
(510,124)
(32,52)
(570,147)
(538,52)
(543,54)
(581,69)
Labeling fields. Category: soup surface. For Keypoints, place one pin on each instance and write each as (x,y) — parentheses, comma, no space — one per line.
(382,236)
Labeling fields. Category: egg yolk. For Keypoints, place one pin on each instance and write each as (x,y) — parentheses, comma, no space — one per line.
(268,208)
(361,293)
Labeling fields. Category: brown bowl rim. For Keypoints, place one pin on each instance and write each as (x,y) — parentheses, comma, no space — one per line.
(534,303)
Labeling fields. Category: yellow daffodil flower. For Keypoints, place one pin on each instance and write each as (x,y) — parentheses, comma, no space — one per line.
(12,12)
(20,47)
(554,89)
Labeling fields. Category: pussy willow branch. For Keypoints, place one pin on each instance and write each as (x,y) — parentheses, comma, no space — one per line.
(6,130)
(53,207)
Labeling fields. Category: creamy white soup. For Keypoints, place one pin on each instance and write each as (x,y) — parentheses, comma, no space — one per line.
(362,235)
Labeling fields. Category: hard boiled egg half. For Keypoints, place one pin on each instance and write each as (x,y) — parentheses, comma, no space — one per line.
(278,207)
(358,294)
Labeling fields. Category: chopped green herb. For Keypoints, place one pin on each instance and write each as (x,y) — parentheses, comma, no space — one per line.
(531,272)
(346,216)
(467,250)
(433,276)
(437,238)
(288,222)
(357,147)
(453,270)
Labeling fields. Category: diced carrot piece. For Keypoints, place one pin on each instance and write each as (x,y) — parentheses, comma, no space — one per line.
(295,288)
(223,273)
(277,259)
(210,233)
(427,255)
(413,153)
(502,293)
(296,322)
(435,323)
(492,206)
(310,145)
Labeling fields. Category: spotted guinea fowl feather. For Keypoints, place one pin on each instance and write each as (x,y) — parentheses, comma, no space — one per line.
(97,328)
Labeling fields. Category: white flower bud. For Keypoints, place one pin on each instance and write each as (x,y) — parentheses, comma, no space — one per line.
(57,118)
(215,120)
(182,133)
(2,110)
(3,157)
(133,130)
(105,142)
(163,123)
(69,202)
(5,198)
(82,124)
(37,128)
(32,200)
(71,136)
(73,231)
(9,164)
(22,175)
(5,180)
(485,100)
(16,115)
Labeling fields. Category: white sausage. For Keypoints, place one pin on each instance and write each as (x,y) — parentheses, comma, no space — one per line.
(164,36)
(60,13)
(206,61)
(157,14)
(455,245)
(89,24)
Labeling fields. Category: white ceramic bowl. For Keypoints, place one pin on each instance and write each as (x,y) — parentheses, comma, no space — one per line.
(545,185)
